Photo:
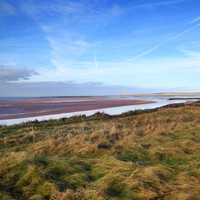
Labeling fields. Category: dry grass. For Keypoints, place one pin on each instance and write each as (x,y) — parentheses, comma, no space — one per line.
(152,155)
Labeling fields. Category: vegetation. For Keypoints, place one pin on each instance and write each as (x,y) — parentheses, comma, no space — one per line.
(143,155)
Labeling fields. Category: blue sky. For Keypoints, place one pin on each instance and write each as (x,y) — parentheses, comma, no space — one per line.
(152,44)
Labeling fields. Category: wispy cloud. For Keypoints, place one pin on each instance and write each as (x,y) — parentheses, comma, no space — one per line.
(60,7)
(6,8)
(73,49)
(66,44)
(67,47)
(145,73)
(191,53)
(116,10)
(195,20)
(70,46)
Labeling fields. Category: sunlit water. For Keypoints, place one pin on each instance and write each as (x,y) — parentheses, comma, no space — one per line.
(159,102)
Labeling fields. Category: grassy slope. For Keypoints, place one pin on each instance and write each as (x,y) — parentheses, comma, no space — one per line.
(146,156)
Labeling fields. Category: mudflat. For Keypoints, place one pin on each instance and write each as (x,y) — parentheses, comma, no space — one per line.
(31,107)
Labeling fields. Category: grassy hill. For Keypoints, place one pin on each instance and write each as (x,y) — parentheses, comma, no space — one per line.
(146,155)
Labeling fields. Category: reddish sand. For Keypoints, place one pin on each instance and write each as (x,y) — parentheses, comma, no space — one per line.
(12,109)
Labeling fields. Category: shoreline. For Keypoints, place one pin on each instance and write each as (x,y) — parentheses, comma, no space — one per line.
(52,107)
(97,115)
(111,112)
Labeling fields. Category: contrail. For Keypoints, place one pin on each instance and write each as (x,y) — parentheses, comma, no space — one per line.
(197,19)
(159,3)
(155,47)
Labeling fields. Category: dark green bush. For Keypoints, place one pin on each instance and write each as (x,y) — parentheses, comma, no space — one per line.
(115,189)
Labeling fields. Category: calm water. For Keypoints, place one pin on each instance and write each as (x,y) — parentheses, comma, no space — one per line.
(160,101)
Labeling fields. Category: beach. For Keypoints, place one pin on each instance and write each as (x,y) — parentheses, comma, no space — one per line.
(31,107)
